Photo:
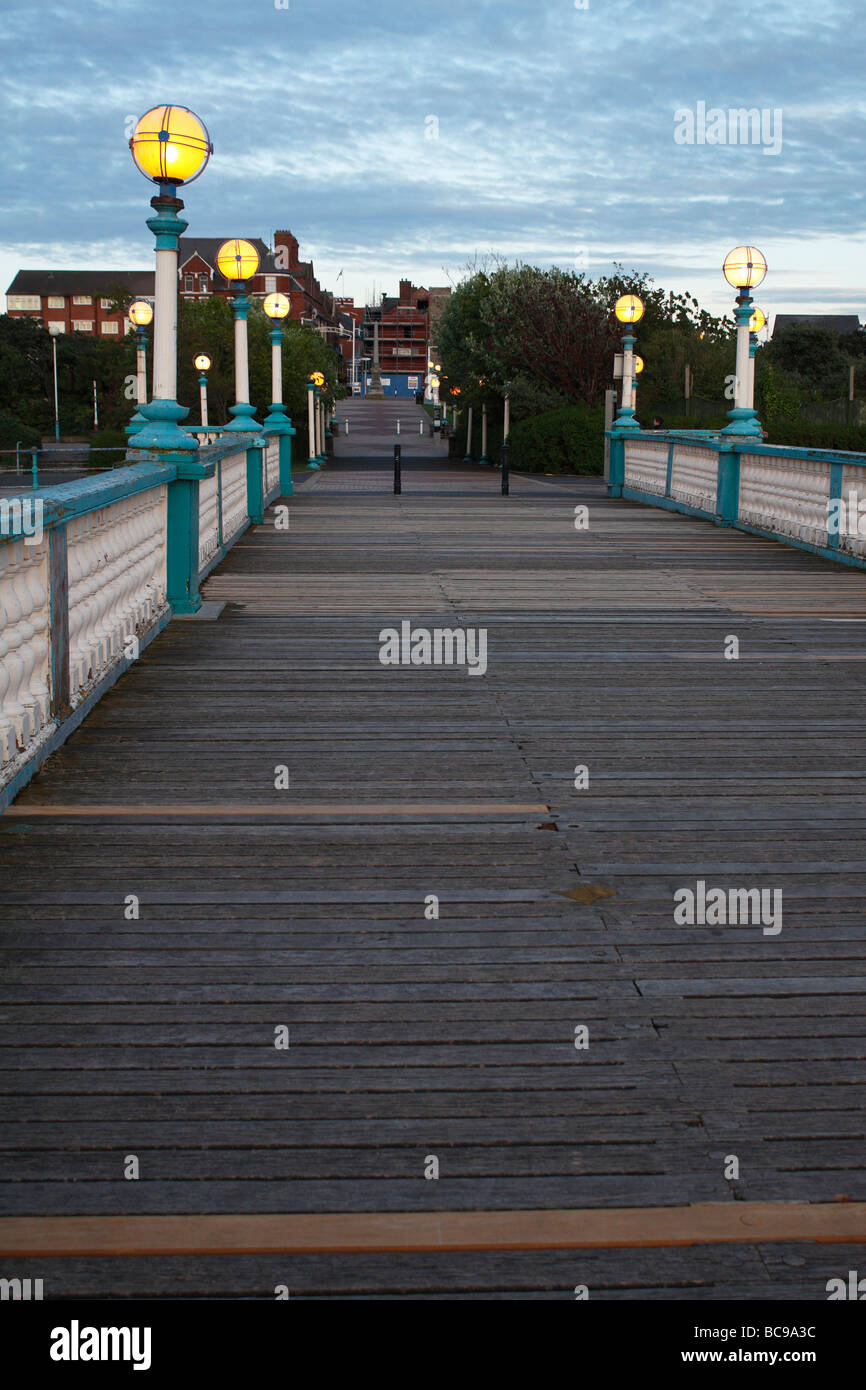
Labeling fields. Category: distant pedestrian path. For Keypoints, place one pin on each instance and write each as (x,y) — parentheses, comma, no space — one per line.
(373,430)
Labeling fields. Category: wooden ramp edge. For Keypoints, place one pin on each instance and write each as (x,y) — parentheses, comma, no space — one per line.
(707,1223)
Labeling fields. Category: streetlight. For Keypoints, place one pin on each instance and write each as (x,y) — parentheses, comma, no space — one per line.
(638,368)
(313,383)
(744,268)
(756,323)
(277,307)
(202,364)
(629,310)
(140,314)
(237,261)
(171,146)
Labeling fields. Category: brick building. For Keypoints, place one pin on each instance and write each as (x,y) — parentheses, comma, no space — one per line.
(77,301)
(70,301)
(405,325)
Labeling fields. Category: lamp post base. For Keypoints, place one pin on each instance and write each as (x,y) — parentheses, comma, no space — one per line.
(244,418)
(625,420)
(160,428)
(744,422)
(276,418)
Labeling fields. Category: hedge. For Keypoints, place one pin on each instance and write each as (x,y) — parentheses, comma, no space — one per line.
(106,439)
(569,439)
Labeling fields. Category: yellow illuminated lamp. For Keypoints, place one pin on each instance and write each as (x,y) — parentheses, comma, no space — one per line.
(317,378)
(638,364)
(276,306)
(140,313)
(202,362)
(745,267)
(434,382)
(757,321)
(170,144)
(629,309)
(237,260)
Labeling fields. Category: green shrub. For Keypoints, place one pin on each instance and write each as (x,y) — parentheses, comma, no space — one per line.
(688,422)
(810,434)
(569,439)
(107,439)
(14,431)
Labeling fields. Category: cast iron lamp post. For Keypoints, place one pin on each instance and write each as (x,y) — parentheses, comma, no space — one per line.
(638,368)
(629,310)
(756,323)
(202,364)
(140,314)
(744,268)
(237,261)
(171,146)
(277,307)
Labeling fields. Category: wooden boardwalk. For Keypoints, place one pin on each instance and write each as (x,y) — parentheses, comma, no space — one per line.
(451,1039)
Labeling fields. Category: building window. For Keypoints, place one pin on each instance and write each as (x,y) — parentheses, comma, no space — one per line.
(187,284)
(82,325)
(270,284)
(23,301)
(111,328)
(56,301)
(106,304)
(82,299)
(202,284)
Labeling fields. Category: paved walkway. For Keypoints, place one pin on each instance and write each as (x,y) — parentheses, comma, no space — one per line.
(416,1040)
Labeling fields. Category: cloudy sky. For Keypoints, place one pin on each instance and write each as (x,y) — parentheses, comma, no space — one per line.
(406,139)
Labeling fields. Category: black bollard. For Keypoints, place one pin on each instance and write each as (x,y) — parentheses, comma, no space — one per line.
(397,480)
(505,448)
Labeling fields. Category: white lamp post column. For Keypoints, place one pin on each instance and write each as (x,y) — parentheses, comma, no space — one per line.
(484,459)
(468,458)
(312,461)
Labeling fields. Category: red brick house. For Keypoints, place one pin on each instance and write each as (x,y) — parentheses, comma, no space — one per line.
(77,301)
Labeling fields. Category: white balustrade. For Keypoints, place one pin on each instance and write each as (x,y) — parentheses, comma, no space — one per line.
(852,538)
(694,476)
(235,514)
(208,520)
(646,465)
(272,464)
(785,495)
(116,558)
(24,645)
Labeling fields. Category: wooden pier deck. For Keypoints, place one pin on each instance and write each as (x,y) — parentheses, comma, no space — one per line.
(452,1039)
